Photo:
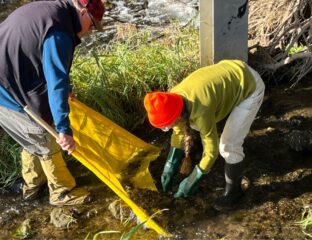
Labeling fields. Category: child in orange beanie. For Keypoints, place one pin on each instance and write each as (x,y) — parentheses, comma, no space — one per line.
(201,100)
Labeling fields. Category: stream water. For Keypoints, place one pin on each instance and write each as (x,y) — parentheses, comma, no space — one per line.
(141,13)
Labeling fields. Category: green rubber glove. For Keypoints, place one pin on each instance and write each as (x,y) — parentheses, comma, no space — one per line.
(172,164)
(189,185)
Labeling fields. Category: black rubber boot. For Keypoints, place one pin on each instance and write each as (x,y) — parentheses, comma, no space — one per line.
(233,191)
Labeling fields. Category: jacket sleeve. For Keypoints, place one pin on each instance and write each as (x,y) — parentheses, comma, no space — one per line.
(210,141)
(56,58)
(210,150)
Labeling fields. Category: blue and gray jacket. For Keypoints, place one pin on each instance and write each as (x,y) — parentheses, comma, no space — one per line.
(37,43)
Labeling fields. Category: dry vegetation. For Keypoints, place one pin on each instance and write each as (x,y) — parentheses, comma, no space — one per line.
(280,35)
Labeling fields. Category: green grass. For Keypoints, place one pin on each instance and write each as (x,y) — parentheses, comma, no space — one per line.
(114,80)
(296,49)
(127,235)
(306,221)
(10,166)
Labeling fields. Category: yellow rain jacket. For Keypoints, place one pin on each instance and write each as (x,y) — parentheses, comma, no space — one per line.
(210,94)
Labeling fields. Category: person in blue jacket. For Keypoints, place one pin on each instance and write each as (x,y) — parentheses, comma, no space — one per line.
(37,43)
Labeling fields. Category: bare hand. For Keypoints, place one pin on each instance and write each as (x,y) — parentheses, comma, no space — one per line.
(66,142)
(72,95)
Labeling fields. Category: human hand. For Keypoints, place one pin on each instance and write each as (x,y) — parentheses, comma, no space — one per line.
(66,142)
(72,95)
(172,164)
(189,185)
(166,180)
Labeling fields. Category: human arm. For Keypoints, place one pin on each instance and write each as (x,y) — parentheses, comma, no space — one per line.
(175,156)
(190,184)
(171,166)
(56,58)
(210,142)
(66,142)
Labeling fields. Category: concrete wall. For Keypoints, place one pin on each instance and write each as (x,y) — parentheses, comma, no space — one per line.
(223,30)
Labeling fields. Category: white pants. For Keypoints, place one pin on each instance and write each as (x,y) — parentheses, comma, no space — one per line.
(238,123)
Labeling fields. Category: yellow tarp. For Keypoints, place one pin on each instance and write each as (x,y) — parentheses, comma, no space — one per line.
(113,154)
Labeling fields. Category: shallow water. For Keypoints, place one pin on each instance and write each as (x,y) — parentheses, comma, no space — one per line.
(280,183)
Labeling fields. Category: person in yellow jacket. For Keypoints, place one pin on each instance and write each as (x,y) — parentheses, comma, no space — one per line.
(229,88)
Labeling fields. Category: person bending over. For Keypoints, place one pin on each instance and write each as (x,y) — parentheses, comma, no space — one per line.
(229,88)
(37,43)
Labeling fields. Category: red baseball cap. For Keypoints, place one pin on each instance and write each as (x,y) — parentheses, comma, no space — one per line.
(96,9)
(163,108)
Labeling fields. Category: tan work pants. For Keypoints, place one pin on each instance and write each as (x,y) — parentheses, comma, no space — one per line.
(41,158)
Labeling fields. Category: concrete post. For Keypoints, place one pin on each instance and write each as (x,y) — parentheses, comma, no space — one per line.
(223,30)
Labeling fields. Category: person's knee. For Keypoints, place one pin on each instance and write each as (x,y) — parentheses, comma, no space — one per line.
(231,153)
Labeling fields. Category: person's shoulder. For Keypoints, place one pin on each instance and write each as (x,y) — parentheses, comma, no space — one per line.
(60,38)
(57,34)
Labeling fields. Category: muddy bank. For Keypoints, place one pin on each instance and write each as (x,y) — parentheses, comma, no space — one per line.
(279,186)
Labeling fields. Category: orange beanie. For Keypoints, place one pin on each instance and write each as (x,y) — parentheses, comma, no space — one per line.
(163,108)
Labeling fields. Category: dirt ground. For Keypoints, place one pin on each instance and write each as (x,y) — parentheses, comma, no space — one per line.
(280,184)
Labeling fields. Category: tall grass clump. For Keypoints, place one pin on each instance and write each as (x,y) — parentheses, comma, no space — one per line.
(10,166)
(127,235)
(306,221)
(114,79)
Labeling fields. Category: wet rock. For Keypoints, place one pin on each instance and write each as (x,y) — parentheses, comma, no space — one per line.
(24,230)
(296,121)
(92,213)
(121,211)
(16,187)
(270,129)
(14,210)
(245,183)
(62,218)
(299,140)
(9,214)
